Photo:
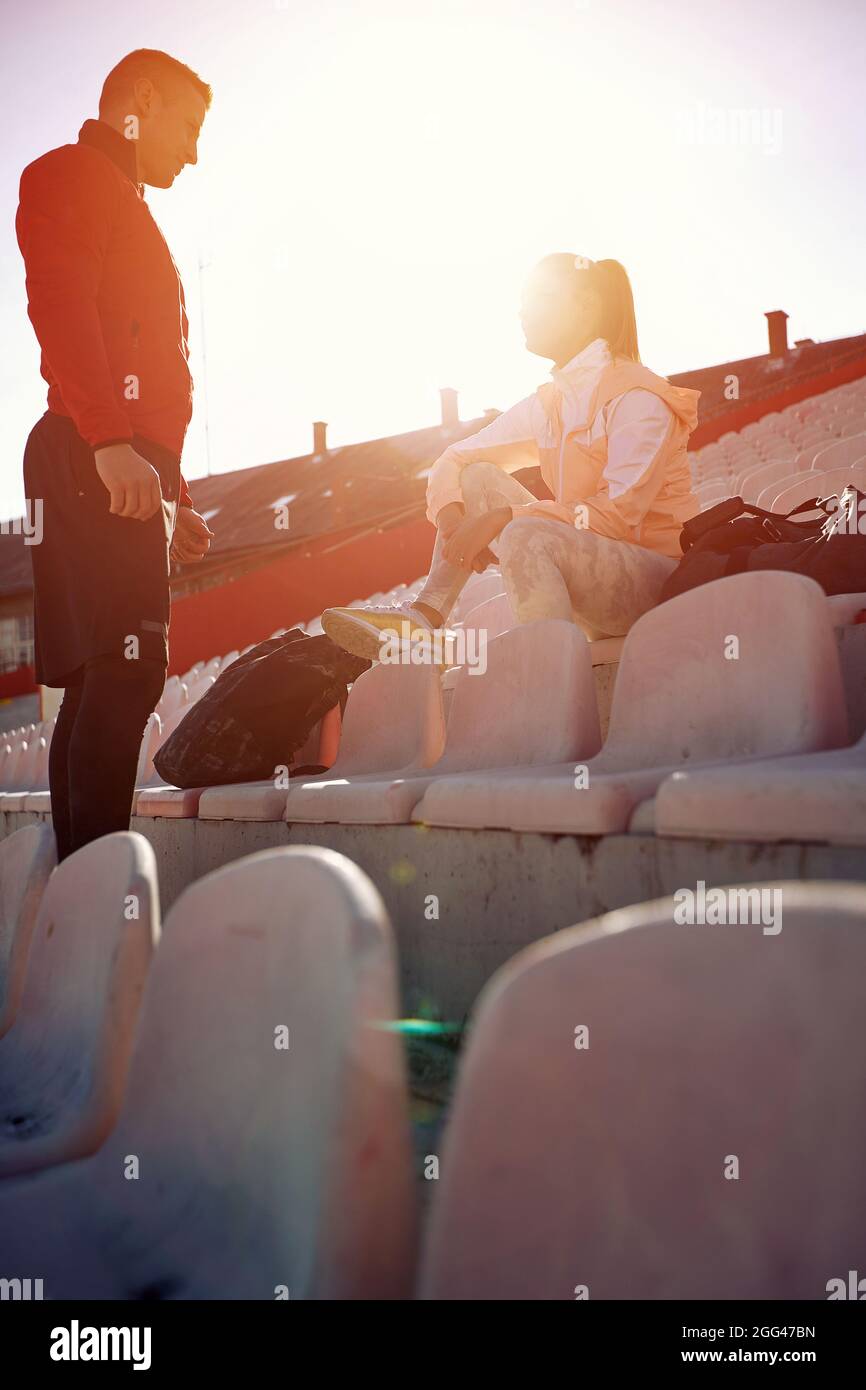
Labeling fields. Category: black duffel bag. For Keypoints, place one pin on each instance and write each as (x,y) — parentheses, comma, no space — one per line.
(735,536)
(259,712)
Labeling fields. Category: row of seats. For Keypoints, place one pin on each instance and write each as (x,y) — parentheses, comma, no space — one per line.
(703,682)
(220,1109)
(468,749)
(822,433)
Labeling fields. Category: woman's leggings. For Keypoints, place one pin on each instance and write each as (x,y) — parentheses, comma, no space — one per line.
(550,569)
(95,746)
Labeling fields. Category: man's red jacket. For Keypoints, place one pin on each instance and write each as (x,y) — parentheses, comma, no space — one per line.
(104,295)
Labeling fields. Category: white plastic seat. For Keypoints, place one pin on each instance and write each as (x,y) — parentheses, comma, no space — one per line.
(493,617)
(842,454)
(824,483)
(649,1110)
(266,1113)
(769,496)
(680,699)
(816,798)
(755,481)
(63,1064)
(535,703)
(26,861)
(393,727)
(477,589)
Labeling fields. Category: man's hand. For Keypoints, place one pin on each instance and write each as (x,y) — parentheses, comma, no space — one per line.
(192,536)
(132,483)
(467,545)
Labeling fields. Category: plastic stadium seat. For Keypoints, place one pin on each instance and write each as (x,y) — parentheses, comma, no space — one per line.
(826,483)
(754,483)
(846,608)
(478,588)
(266,1114)
(494,616)
(607,1170)
(63,1063)
(393,728)
(258,801)
(680,700)
(843,453)
(493,721)
(816,797)
(26,861)
(768,496)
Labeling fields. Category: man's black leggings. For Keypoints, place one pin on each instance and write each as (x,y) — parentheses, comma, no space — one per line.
(95,746)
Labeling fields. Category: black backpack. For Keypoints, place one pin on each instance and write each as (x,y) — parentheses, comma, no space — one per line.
(259,712)
(734,536)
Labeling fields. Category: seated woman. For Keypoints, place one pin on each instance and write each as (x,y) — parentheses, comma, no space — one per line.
(611,437)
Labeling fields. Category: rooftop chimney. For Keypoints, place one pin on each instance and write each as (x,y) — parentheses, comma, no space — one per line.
(777,327)
(320,441)
(450,415)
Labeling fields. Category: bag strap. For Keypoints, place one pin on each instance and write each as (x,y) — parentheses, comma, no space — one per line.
(731,509)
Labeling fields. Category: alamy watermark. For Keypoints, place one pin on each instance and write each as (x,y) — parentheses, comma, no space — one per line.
(29,526)
(411,646)
(702,906)
(760,127)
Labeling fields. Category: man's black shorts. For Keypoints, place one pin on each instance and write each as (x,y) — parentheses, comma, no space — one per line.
(99,580)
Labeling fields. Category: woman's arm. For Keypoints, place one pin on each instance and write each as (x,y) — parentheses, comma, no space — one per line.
(508,441)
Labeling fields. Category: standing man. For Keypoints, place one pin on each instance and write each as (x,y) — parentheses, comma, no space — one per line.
(103,464)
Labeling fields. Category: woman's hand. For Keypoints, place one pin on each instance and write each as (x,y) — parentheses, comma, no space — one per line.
(467,546)
(449,519)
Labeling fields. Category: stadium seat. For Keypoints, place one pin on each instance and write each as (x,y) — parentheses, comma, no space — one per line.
(478,588)
(26,861)
(494,721)
(830,482)
(64,1061)
(842,454)
(767,498)
(819,798)
(263,1147)
(264,799)
(493,616)
(755,481)
(649,1110)
(681,698)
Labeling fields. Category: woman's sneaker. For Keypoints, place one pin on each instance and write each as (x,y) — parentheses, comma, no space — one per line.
(362,631)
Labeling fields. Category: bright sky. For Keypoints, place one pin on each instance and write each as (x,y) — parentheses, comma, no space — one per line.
(376,178)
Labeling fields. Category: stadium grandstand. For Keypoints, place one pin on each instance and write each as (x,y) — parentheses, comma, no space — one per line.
(485,830)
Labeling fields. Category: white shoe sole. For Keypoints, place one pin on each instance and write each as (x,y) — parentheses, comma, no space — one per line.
(354,635)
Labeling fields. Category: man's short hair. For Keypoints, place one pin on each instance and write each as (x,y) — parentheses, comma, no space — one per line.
(165,72)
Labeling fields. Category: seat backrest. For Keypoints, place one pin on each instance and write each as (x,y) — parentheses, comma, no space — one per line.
(26,861)
(393,719)
(267,1099)
(770,495)
(757,479)
(740,667)
(493,616)
(841,454)
(478,587)
(533,704)
(621,1075)
(819,483)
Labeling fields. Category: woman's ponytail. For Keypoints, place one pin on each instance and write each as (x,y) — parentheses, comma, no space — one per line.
(619,326)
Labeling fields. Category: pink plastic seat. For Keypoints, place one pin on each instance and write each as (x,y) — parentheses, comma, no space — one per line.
(534,703)
(814,798)
(649,1110)
(263,1150)
(64,1061)
(680,700)
(27,859)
